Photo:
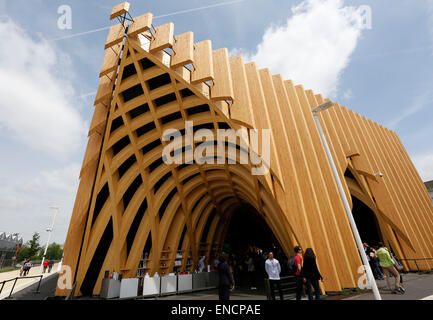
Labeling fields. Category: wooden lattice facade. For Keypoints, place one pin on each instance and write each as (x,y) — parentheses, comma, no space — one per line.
(130,201)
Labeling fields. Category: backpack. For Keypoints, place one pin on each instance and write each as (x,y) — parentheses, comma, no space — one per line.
(291,265)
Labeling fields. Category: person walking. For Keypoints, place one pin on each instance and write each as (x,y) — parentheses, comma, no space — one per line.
(273,269)
(23,263)
(311,274)
(27,267)
(226,282)
(45,265)
(298,269)
(388,268)
(50,266)
(201,263)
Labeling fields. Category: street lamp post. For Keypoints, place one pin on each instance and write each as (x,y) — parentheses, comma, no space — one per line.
(370,277)
(50,231)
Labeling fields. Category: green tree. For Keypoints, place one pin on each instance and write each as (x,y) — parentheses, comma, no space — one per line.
(54,251)
(34,246)
(24,253)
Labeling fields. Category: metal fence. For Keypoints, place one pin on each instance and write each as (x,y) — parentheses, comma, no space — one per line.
(2,284)
(288,287)
(416,262)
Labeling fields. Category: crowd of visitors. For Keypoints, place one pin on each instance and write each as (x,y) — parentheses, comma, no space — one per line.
(251,267)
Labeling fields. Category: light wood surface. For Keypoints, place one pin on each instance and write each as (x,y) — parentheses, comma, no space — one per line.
(140,24)
(127,196)
(119,9)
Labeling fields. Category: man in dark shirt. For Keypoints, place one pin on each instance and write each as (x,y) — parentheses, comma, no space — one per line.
(225,278)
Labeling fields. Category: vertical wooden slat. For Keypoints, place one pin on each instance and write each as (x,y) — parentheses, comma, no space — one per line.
(221,88)
(325,188)
(119,10)
(115,35)
(241,108)
(163,38)
(203,65)
(140,24)
(111,60)
(183,50)
(105,88)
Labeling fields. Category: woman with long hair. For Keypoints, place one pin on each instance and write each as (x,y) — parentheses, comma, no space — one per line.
(311,274)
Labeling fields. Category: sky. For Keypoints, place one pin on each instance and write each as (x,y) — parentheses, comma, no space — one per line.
(375,57)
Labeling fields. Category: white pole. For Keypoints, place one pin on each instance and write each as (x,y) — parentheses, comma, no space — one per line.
(370,277)
(50,231)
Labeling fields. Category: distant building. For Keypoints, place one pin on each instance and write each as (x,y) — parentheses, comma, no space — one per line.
(8,248)
(429,185)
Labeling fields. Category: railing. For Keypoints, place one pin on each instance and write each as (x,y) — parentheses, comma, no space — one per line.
(288,287)
(15,282)
(415,260)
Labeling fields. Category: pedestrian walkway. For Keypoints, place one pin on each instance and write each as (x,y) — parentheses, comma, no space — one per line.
(237,294)
(418,287)
(22,283)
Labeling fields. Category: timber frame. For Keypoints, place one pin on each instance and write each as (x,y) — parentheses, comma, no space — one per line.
(128,198)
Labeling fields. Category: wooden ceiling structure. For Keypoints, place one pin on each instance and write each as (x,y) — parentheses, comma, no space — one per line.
(129,201)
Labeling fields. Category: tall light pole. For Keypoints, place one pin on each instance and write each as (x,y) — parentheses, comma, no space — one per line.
(50,231)
(370,277)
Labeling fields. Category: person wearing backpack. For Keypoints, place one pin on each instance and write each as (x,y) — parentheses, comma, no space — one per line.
(297,266)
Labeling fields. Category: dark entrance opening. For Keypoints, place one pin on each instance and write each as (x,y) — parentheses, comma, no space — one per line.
(248,235)
(366,222)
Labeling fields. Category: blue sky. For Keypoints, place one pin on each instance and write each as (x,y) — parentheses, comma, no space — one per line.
(47,80)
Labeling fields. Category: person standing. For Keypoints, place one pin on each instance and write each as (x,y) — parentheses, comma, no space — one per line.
(250,271)
(377,264)
(372,257)
(45,265)
(50,265)
(298,268)
(388,269)
(311,274)
(273,269)
(226,282)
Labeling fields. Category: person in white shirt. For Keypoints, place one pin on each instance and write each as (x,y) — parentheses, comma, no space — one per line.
(201,264)
(273,269)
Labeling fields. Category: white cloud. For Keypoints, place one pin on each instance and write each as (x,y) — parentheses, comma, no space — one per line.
(314,46)
(424,165)
(347,95)
(25,202)
(37,105)
(58,180)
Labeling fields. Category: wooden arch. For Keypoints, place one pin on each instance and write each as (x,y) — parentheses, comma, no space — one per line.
(152,80)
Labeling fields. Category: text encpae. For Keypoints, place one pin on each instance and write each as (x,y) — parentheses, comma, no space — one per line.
(219,309)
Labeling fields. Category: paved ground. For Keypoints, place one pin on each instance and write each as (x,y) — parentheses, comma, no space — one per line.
(237,294)
(418,286)
(22,283)
(47,289)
